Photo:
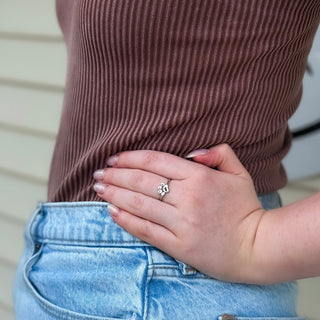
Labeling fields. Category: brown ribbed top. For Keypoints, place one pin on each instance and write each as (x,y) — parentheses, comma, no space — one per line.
(178,75)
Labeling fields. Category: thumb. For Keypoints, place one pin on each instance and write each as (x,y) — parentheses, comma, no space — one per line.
(220,157)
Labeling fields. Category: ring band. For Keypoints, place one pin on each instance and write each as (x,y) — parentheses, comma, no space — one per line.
(163,189)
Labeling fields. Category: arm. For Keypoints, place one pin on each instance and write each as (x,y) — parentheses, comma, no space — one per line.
(287,244)
(212,218)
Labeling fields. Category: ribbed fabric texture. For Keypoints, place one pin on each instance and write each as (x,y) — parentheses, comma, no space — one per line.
(178,75)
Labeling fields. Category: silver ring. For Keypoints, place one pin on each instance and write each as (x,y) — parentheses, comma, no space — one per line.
(163,189)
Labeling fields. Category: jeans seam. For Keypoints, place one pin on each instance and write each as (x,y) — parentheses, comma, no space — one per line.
(149,278)
(197,276)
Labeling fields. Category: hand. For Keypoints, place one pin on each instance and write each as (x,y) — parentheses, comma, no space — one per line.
(209,218)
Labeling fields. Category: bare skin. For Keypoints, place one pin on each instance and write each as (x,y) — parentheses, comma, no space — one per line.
(211,219)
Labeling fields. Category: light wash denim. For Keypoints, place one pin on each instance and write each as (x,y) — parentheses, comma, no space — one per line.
(79,265)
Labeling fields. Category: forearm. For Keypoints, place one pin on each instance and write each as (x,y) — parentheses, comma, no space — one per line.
(287,243)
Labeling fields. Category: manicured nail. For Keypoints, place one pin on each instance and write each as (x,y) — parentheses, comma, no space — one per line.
(111,161)
(98,174)
(99,187)
(113,210)
(199,152)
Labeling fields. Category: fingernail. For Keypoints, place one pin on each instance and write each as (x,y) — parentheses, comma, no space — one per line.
(198,152)
(98,174)
(111,161)
(113,210)
(99,187)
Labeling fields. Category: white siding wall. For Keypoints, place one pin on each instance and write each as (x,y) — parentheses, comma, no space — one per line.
(32,76)
(296,163)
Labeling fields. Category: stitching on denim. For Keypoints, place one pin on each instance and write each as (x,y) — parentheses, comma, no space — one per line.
(144,284)
(155,267)
(150,277)
(48,206)
(197,276)
(165,264)
(46,240)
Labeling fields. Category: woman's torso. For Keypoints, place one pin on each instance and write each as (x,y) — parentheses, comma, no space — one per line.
(177,75)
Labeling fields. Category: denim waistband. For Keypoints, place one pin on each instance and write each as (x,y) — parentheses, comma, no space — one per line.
(89,223)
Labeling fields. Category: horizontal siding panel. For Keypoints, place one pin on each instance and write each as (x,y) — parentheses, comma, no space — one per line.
(308,299)
(7,278)
(6,314)
(30,108)
(33,61)
(32,16)
(26,155)
(19,198)
(11,250)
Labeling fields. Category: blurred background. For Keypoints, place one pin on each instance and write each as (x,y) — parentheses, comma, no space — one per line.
(32,75)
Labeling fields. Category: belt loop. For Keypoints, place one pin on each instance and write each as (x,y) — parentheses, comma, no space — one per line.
(186,269)
(227,317)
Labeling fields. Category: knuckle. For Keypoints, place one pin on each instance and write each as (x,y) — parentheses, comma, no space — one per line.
(202,175)
(110,194)
(137,202)
(135,179)
(145,230)
(192,222)
(186,247)
(223,148)
(150,158)
(109,175)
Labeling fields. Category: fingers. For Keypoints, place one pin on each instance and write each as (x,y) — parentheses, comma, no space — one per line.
(140,205)
(222,158)
(161,163)
(133,179)
(147,231)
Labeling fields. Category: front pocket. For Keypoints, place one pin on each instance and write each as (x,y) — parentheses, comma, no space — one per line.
(88,283)
(271,318)
(232,317)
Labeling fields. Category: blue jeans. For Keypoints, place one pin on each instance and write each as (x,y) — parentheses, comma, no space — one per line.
(79,265)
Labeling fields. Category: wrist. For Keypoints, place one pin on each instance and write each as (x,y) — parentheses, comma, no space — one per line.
(267,255)
(248,264)
(257,268)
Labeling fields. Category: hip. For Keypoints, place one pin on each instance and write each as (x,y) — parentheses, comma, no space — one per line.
(79,264)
